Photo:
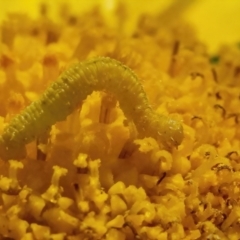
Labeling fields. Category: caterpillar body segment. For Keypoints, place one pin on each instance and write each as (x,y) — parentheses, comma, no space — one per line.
(72,87)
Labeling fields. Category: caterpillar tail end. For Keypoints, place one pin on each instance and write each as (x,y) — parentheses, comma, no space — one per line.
(8,153)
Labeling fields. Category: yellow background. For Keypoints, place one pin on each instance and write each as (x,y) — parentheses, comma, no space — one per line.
(217,21)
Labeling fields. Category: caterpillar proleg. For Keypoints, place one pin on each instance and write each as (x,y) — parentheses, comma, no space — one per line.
(72,87)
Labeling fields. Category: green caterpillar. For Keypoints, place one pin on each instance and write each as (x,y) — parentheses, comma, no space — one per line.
(72,87)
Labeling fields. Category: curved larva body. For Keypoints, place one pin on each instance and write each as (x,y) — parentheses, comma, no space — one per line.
(73,86)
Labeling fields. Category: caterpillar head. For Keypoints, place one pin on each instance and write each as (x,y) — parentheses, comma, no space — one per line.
(170,131)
